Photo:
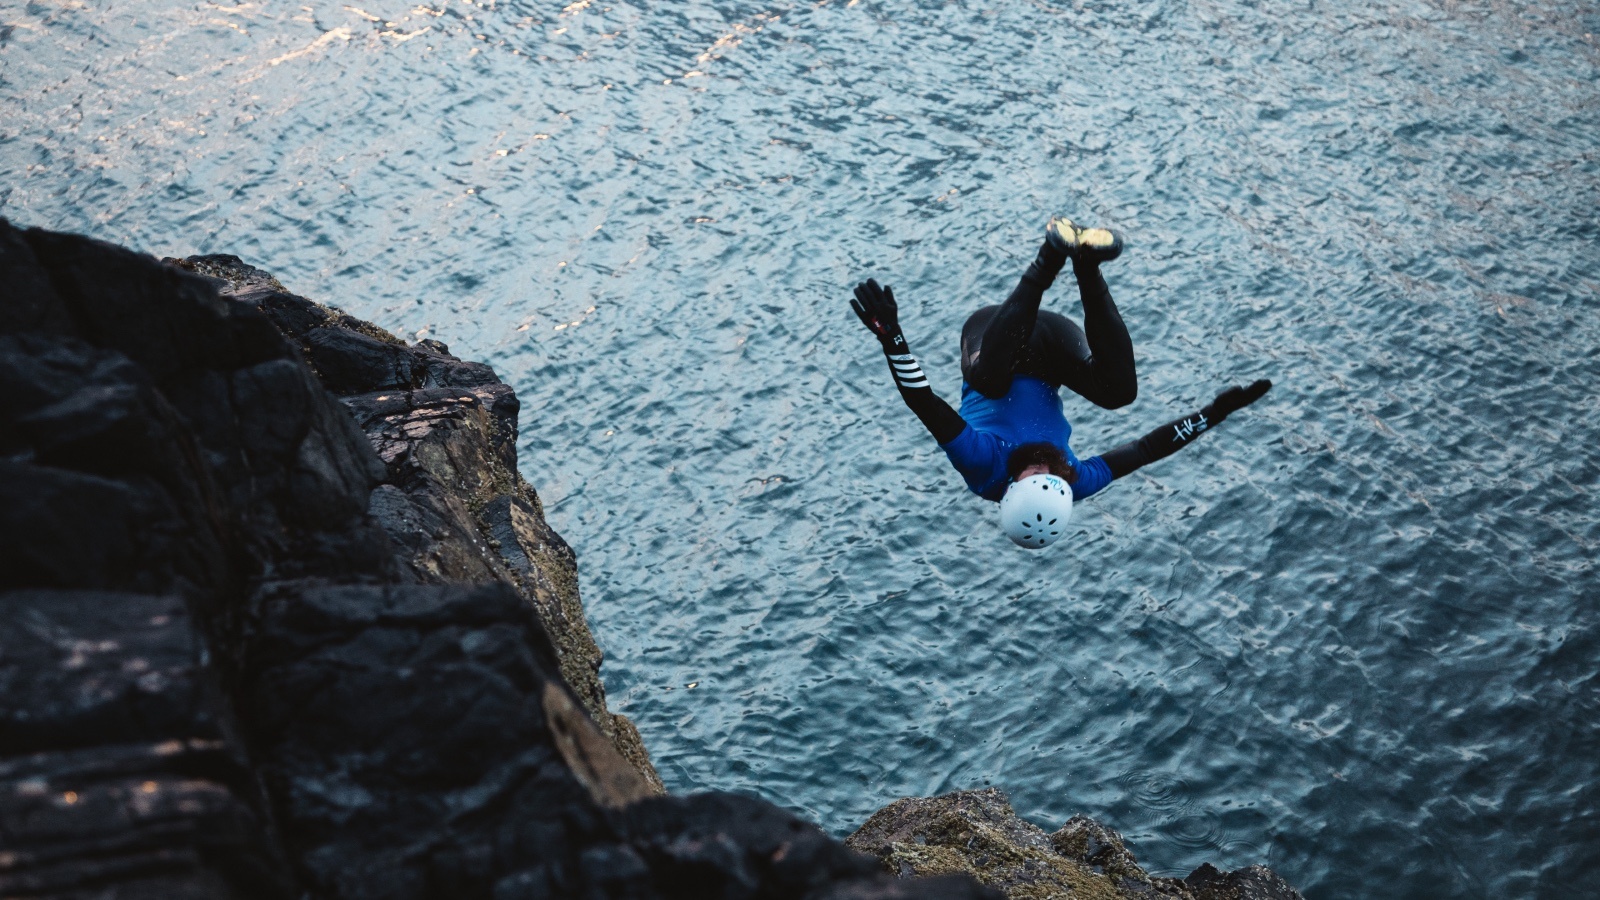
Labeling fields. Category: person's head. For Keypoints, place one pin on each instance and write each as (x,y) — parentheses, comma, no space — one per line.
(1039,459)
(1035,510)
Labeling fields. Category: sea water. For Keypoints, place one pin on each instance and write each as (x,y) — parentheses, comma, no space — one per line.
(1351,633)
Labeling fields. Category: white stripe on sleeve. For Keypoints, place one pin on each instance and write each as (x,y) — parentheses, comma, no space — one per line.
(907,372)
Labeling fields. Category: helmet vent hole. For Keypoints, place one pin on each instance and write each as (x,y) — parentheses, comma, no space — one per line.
(1038,517)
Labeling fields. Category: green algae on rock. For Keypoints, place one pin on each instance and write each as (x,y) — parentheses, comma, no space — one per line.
(978,833)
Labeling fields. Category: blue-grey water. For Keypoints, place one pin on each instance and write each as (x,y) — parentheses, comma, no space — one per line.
(1351,634)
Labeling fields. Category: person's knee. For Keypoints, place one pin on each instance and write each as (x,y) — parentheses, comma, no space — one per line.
(1118,396)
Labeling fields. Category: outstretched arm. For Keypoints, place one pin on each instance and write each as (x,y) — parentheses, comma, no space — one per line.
(876,308)
(1175,435)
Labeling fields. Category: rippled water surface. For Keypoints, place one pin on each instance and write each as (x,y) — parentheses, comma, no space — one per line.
(1352,634)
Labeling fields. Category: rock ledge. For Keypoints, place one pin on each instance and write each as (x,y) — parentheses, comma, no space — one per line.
(977,833)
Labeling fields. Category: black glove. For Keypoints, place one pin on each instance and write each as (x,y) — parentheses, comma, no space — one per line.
(875,307)
(1234,399)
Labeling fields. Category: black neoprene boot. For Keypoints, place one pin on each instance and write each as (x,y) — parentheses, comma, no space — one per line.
(1096,245)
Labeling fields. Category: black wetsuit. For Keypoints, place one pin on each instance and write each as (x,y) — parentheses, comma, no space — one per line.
(1017,338)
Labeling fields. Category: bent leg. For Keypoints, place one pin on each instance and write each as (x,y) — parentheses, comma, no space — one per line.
(1095,361)
(972,339)
(1108,377)
(990,359)
(1057,350)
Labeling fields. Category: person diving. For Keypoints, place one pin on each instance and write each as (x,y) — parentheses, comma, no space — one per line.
(1010,441)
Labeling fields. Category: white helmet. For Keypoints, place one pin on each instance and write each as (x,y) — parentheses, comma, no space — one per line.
(1035,511)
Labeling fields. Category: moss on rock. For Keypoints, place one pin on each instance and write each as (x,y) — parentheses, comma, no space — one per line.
(977,833)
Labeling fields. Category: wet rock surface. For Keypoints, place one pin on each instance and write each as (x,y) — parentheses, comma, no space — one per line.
(450,497)
(282,620)
(977,833)
(118,771)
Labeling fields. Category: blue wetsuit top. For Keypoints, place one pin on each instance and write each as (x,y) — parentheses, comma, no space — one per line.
(1029,413)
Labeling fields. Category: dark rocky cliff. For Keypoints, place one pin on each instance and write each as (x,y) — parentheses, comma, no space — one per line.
(281,619)
(450,498)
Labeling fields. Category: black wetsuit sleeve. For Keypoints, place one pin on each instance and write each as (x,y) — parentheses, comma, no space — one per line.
(875,306)
(1180,433)
(944,423)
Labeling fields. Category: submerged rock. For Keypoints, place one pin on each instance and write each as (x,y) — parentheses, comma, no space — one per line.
(282,620)
(977,833)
